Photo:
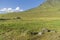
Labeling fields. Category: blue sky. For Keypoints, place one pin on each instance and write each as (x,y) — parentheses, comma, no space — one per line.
(23,4)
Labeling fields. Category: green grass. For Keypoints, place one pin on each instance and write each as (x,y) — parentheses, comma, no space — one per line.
(33,20)
(18,29)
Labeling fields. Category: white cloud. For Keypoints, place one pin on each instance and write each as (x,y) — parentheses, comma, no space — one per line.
(21,10)
(4,9)
(17,9)
(9,9)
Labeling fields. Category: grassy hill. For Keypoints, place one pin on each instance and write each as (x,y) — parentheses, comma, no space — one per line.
(24,25)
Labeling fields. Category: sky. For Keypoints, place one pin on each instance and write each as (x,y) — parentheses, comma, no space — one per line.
(19,4)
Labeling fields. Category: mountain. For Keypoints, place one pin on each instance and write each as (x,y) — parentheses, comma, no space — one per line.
(51,3)
(50,8)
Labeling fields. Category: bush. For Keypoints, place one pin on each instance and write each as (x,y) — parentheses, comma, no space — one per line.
(17,18)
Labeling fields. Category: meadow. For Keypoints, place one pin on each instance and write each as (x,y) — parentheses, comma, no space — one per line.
(18,29)
(19,25)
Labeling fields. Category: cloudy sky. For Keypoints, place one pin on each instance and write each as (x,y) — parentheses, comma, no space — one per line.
(18,5)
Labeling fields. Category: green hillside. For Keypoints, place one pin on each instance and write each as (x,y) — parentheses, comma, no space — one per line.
(40,23)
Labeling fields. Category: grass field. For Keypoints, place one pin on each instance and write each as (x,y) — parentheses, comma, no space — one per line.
(19,25)
(17,29)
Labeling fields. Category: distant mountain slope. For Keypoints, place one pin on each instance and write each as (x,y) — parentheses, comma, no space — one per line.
(51,4)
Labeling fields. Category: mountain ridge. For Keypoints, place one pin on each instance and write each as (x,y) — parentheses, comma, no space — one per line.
(52,3)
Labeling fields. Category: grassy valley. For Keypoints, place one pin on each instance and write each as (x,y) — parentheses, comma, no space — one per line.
(28,24)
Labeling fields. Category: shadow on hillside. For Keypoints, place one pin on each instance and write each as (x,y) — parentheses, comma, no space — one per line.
(4,19)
